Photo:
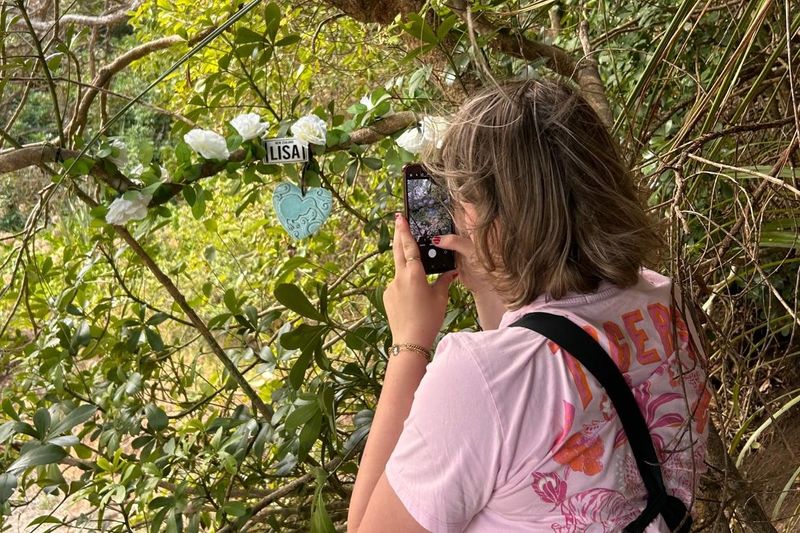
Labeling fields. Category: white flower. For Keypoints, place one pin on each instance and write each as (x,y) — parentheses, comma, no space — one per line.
(430,130)
(137,170)
(207,143)
(165,177)
(411,140)
(249,125)
(433,129)
(366,100)
(122,153)
(130,206)
(311,129)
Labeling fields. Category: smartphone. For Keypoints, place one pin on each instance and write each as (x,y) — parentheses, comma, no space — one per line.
(427,211)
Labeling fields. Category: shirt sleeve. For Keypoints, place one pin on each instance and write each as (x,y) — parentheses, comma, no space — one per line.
(446,461)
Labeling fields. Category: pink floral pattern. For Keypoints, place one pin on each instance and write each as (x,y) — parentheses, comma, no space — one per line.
(649,405)
(606,509)
(589,508)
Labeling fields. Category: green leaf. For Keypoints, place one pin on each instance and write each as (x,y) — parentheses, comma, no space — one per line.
(231,301)
(384,239)
(272,16)
(162,501)
(419,28)
(363,423)
(158,519)
(189,195)
(40,455)
(302,414)
(8,430)
(293,298)
(9,409)
(302,337)
(8,482)
(288,40)
(233,142)
(157,319)
(298,371)
(352,171)
(320,520)
(183,153)
(44,519)
(154,339)
(199,206)
(445,26)
(309,435)
(156,417)
(246,35)
(372,162)
(65,441)
(237,509)
(41,421)
(326,404)
(77,416)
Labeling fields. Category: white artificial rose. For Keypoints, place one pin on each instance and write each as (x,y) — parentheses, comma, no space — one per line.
(207,143)
(411,140)
(311,129)
(429,131)
(433,129)
(366,101)
(137,170)
(249,126)
(122,153)
(130,206)
(165,177)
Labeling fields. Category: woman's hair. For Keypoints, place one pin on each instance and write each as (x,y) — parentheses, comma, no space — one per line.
(556,206)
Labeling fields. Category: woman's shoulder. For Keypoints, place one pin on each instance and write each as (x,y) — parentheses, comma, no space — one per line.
(507,358)
(492,343)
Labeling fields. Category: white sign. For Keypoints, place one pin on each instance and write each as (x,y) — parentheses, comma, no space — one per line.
(286,150)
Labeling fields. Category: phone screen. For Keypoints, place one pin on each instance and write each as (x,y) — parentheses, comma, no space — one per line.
(427,212)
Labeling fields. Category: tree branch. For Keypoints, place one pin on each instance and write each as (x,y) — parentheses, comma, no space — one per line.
(107,19)
(50,84)
(36,154)
(106,72)
(592,85)
(382,12)
(556,58)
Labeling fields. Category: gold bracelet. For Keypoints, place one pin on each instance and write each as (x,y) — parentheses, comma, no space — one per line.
(395,349)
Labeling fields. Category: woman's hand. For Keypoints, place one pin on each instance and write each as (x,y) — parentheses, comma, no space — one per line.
(470,272)
(488,303)
(415,309)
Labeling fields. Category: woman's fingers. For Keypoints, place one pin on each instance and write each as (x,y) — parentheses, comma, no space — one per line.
(457,243)
(409,246)
(442,283)
(397,246)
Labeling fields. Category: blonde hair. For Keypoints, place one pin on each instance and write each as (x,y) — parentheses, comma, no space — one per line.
(557,208)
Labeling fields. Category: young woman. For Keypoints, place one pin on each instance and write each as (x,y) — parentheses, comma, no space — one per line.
(504,431)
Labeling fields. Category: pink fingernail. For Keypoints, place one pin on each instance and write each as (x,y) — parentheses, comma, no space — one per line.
(436,239)
(397,215)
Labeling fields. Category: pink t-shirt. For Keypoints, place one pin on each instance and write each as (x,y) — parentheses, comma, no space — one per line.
(508,434)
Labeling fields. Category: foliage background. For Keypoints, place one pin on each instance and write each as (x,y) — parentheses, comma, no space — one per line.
(114,396)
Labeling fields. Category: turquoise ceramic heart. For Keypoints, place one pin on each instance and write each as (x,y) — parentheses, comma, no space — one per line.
(300,215)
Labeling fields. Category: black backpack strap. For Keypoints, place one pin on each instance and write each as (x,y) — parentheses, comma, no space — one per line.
(580,345)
